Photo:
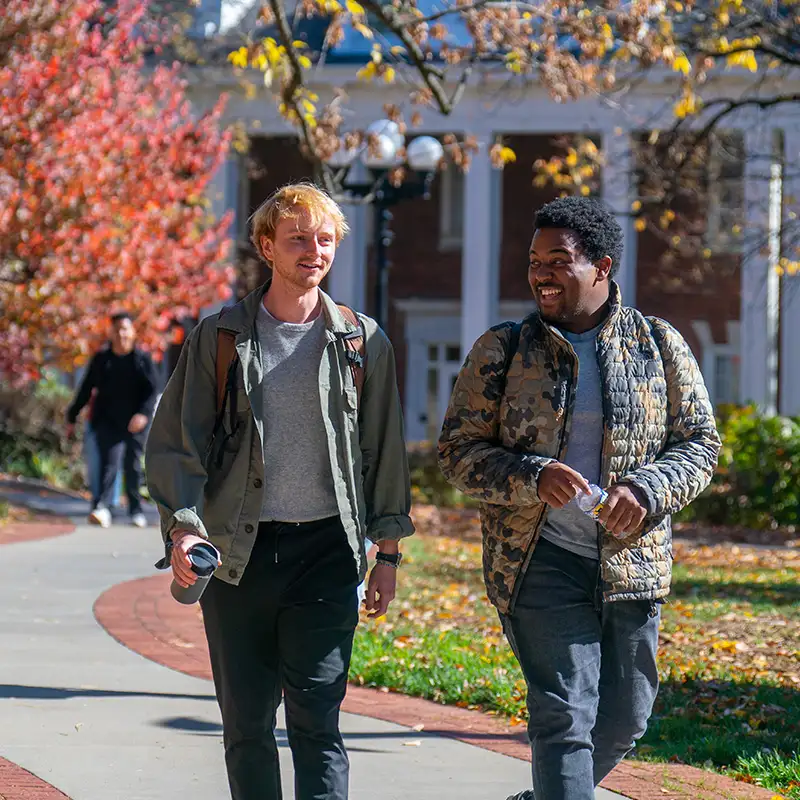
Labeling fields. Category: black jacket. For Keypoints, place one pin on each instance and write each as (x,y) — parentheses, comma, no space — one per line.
(126,385)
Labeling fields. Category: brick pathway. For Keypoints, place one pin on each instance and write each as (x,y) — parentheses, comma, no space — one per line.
(19,784)
(15,532)
(142,615)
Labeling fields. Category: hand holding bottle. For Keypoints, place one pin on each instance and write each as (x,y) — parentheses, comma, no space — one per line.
(558,484)
(623,512)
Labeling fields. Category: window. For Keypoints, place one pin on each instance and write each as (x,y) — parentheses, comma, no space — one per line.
(720,362)
(725,192)
(726,378)
(451,208)
(444,363)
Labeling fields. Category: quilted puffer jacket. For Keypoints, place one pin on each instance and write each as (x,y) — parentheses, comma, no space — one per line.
(660,435)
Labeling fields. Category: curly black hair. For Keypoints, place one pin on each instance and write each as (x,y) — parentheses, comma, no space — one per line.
(593,222)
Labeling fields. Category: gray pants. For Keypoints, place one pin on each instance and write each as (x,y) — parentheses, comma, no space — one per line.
(590,668)
(285,630)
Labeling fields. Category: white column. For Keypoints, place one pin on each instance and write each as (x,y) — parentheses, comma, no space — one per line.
(790,290)
(480,249)
(760,283)
(347,278)
(619,192)
(228,192)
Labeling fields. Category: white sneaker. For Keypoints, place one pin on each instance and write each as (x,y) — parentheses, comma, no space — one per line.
(139,520)
(100,516)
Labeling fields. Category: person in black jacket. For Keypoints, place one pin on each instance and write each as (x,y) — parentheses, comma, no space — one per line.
(125,383)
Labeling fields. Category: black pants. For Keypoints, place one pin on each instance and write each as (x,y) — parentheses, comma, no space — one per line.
(286,628)
(119,448)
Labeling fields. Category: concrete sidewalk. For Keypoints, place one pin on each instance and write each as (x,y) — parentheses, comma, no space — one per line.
(100,722)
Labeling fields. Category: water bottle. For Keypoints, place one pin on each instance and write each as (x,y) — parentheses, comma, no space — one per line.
(592,504)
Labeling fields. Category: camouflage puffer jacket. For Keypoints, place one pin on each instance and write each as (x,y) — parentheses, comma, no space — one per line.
(660,435)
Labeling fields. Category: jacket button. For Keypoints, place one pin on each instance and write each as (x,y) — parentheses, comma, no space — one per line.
(233,573)
(248,528)
(258,483)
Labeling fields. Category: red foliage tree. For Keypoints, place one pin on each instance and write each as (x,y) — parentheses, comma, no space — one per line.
(103,173)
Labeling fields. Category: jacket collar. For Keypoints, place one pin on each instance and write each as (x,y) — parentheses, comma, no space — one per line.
(241,317)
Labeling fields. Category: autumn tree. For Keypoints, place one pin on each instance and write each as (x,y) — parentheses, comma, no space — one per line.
(103,177)
(576,49)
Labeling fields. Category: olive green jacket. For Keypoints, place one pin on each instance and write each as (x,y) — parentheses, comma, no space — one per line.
(659,435)
(215,489)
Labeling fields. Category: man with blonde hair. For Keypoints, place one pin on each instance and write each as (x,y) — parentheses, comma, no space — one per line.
(286,451)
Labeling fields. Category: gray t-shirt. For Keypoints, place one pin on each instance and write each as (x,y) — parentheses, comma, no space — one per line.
(569,527)
(298,485)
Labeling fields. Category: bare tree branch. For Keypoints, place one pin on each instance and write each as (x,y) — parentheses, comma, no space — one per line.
(454,10)
(431,76)
(289,91)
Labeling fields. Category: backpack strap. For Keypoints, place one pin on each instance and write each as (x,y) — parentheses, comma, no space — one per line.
(356,349)
(225,364)
(513,346)
(226,357)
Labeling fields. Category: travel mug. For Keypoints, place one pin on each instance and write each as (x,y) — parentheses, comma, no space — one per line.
(204,557)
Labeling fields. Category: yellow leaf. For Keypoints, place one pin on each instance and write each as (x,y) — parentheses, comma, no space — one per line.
(585,190)
(365,31)
(367,72)
(572,158)
(687,105)
(298,45)
(640,225)
(636,205)
(681,64)
(304,61)
(397,50)
(388,74)
(238,57)
(355,8)
(507,155)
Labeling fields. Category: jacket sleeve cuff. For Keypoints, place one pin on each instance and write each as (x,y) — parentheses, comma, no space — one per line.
(392,528)
(536,464)
(185,519)
(644,494)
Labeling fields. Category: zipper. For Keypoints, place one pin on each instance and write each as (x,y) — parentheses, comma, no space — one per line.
(603,454)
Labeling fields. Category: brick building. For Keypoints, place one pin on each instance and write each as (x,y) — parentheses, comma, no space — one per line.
(459,259)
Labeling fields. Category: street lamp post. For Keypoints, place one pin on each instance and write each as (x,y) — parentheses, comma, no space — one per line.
(423,156)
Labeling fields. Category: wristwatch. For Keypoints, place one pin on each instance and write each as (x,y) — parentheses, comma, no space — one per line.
(390,559)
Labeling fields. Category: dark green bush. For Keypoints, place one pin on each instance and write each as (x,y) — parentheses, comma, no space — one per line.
(427,482)
(32,442)
(757,483)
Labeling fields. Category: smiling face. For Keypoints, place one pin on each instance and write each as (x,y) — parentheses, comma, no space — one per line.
(570,291)
(301,251)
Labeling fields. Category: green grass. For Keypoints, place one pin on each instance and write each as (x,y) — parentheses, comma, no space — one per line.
(729,656)
(770,770)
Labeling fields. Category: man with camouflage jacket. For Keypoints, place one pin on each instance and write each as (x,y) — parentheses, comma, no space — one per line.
(583,391)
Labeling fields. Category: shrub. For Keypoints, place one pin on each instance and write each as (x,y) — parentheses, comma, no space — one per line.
(757,483)
(32,442)
(428,485)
